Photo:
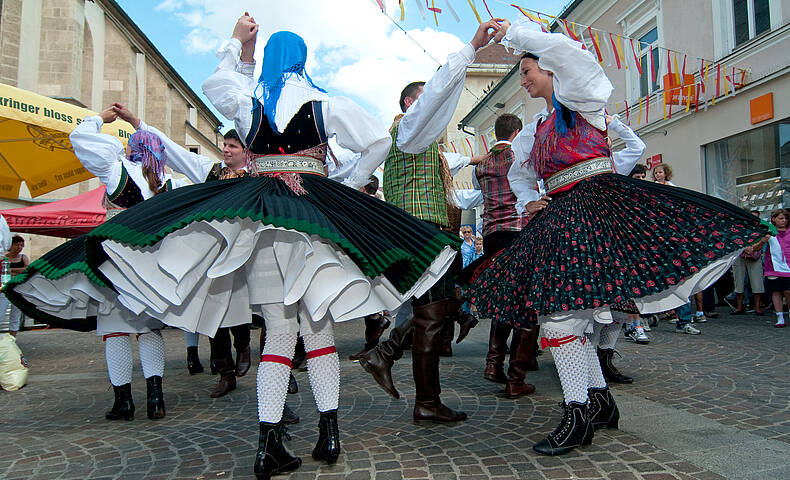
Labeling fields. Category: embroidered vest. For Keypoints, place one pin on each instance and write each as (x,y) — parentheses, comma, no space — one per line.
(552,152)
(304,131)
(413,182)
(218,172)
(498,200)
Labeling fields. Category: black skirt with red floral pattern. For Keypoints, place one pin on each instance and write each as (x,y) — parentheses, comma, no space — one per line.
(608,240)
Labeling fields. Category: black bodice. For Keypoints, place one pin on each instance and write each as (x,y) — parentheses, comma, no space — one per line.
(128,194)
(305,130)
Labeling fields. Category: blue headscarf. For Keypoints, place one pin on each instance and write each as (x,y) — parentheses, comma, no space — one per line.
(285,54)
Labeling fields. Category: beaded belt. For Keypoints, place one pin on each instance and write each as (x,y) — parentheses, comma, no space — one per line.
(288,164)
(580,171)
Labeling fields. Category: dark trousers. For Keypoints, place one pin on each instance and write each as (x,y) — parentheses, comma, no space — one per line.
(220,344)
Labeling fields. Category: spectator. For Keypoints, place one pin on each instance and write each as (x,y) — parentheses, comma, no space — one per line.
(777,272)
(18,262)
(468,245)
(639,171)
(749,264)
(478,248)
(662,174)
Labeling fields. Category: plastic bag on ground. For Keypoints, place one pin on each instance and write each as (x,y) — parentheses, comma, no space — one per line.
(13,367)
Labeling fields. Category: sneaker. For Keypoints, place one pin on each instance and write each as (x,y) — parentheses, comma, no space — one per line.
(673,320)
(640,337)
(646,327)
(780,324)
(688,329)
(711,314)
(628,332)
(699,318)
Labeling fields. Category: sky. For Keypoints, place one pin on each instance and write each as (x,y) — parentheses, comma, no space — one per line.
(354,50)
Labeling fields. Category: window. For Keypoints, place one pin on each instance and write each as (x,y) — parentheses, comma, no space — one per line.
(646,85)
(750,18)
(745,169)
(195,150)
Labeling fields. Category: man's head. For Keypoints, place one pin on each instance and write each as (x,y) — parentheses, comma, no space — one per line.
(410,94)
(372,186)
(506,127)
(536,81)
(233,150)
(639,171)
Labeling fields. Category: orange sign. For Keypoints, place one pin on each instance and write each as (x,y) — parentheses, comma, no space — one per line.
(762,108)
(677,92)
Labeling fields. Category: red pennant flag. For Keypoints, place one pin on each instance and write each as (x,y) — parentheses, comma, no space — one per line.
(614,48)
(595,44)
(702,77)
(627,116)
(570,31)
(636,58)
(684,67)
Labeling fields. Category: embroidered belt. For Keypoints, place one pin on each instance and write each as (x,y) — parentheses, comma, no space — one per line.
(289,164)
(580,171)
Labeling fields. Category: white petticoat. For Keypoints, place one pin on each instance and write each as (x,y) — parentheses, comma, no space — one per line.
(75,296)
(210,274)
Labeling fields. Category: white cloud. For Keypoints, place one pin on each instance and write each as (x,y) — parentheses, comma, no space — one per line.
(354,50)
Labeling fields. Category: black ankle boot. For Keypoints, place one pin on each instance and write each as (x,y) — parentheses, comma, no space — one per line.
(610,372)
(272,458)
(328,446)
(574,430)
(603,411)
(193,361)
(123,408)
(156,399)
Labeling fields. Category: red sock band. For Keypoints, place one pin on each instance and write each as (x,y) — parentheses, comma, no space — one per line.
(277,359)
(321,351)
(113,335)
(557,342)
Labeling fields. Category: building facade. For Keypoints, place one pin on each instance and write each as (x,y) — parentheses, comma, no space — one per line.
(91,54)
(737,149)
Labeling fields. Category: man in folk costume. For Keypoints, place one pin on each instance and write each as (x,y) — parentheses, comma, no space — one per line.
(418,179)
(501,225)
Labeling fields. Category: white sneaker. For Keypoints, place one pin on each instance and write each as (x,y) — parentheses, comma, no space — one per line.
(646,327)
(688,329)
(700,318)
(640,336)
(628,332)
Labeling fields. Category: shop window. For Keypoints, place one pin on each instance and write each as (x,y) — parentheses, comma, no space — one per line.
(751,18)
(746,169)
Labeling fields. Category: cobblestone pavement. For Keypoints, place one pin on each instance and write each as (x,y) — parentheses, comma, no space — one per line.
(706,407)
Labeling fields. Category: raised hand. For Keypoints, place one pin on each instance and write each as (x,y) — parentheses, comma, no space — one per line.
(246,29)
(125,114)
(108,115)
(485,32)
(504,25)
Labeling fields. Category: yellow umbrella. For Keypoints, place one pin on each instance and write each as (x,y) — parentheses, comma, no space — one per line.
(34,142)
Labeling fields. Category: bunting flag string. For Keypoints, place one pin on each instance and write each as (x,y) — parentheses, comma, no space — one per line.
(679,87)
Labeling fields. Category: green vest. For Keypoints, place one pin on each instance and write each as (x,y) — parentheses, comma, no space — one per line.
(413,182)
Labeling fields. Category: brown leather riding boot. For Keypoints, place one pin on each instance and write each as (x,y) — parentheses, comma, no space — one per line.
(375,325)
(447,335)
(378,360)
(428,322)
(243,361)
(495,359)
(227,378)
(534,336)
(522,349)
